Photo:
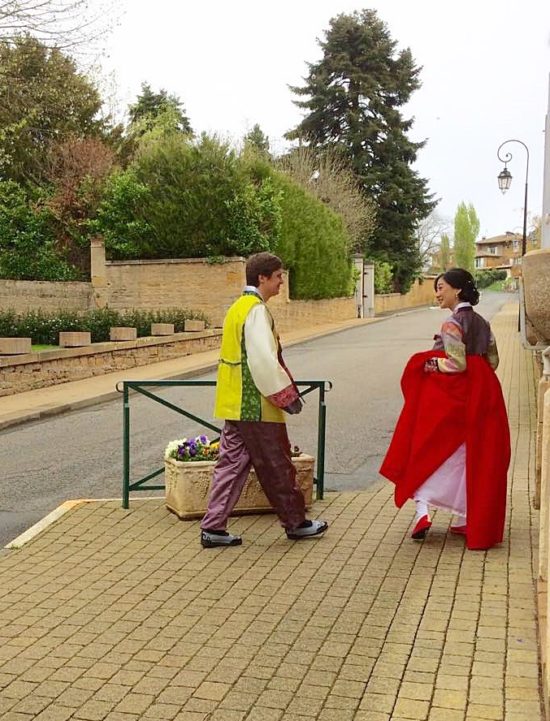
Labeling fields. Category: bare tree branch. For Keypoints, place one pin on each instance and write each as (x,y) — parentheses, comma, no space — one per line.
(428,236)
(74,25)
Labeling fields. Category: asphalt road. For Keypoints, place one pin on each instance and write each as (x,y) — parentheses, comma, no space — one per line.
(79,454)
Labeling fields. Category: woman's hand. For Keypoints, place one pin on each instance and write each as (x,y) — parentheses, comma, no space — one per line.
(431,366)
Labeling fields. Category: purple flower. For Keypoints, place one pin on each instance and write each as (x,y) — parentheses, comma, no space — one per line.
(203,440)
(192,450)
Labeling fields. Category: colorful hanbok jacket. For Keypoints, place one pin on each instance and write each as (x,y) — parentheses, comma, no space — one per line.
(253,382)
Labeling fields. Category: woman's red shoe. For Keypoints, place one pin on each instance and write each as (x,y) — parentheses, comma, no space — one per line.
(422,527)
(459,530)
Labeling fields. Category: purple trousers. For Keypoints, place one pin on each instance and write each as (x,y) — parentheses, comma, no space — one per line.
(266,447)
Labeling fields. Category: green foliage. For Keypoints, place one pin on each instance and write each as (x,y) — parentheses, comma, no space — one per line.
(383,278)
(150,107)
(466,232)
(485,278)
(328,177)
(258,140)
(182,199)
(44,327)
(445,252)
(254,219)
(27,245)
(43,98)
(352,98)
(120,217)
(314,245)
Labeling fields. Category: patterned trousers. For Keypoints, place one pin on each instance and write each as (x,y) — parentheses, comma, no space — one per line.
(266,447)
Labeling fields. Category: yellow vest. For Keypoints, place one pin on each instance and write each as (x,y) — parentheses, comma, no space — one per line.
(237,398)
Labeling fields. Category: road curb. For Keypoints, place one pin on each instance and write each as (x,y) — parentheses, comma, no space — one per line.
(33,531)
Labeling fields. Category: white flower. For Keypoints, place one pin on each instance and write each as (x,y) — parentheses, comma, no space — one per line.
(172,448)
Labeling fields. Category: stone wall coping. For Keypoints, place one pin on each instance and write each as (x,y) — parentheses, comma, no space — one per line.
(106,347)
(176,261)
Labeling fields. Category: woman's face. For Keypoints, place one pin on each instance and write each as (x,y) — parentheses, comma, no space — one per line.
(446,295)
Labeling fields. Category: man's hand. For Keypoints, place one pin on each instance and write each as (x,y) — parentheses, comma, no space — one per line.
(295,407)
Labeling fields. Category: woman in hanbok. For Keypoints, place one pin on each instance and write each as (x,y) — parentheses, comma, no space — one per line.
(451,446)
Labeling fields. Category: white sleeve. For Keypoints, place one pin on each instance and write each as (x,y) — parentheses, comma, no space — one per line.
(261,349)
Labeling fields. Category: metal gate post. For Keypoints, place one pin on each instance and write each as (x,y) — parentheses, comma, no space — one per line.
(125,448)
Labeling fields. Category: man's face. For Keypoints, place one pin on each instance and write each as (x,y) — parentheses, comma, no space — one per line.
(271,285)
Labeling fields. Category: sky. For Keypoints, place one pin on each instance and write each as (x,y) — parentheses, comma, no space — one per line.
(485,79)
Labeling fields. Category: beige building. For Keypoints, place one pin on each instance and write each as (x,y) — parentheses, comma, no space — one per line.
(503,252)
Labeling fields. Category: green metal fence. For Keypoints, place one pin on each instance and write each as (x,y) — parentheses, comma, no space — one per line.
(143,387)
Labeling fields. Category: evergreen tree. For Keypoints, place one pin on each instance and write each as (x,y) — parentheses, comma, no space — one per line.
(352,98)
(150,106)
(466,232)
(258,140)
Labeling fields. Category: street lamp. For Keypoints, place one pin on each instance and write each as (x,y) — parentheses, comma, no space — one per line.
(505,180)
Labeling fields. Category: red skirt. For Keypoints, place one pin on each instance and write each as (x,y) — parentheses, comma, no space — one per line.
(441,411)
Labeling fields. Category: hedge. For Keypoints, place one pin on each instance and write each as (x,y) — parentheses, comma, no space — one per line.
(44,327)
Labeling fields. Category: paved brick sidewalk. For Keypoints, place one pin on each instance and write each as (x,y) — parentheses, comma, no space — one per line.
(118,615)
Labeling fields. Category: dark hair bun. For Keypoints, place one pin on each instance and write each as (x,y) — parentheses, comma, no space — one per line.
(463,281)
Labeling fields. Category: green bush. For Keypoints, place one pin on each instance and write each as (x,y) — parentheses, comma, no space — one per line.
(120,218)
(314,245)
(27,243)
(485,278)
(383,277)
(202,202)
(44,327)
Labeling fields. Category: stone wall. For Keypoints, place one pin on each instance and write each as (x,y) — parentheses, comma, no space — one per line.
(194,284)
(296,314)
(421,293)
(23,295)
(156,284)
(39,370)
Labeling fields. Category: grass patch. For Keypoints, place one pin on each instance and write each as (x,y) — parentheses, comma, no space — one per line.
(497,286)
(39,347)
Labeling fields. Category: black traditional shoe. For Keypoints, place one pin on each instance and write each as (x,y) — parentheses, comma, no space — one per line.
(307,529)
(212,539)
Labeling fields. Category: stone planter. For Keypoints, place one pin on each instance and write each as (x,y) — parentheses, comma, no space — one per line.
(162,329)
(193,325)
(187,486)
(536,289)
(74,339)
(122,333)
(15,346)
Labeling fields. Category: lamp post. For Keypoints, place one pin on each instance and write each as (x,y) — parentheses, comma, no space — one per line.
(505,180)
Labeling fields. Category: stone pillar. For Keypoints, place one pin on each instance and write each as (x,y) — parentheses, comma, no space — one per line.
(98,273)
(543,458)
(358,262)
(368,291)
(545,230)
(543,550)
(543,386)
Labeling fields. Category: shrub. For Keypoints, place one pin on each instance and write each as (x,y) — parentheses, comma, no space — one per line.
(314,245)
(201,200)
(44,327)
(485,278)
(327,177)
(383,277)
(27,246)
(120,218)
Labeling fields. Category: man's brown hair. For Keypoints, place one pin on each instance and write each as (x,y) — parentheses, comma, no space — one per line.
(261,264)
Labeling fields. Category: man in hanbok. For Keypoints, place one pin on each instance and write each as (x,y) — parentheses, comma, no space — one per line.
(254,389)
